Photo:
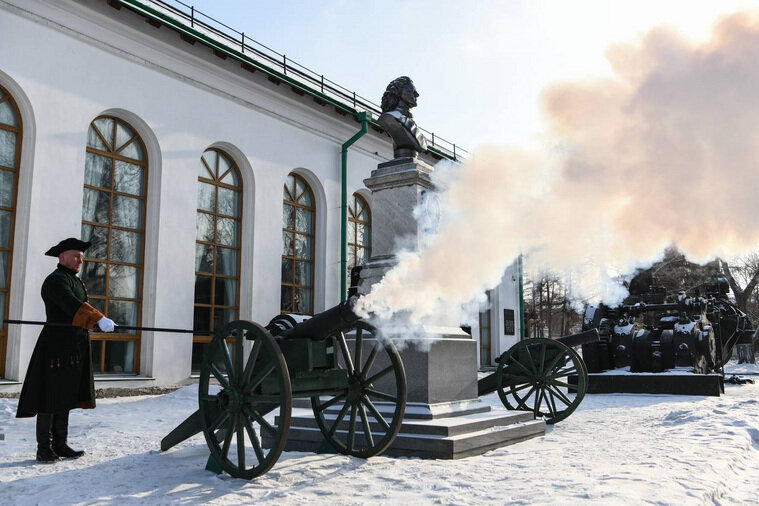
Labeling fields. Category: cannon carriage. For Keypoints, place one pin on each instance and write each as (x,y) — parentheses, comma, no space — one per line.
(356,383)
(353,376)
(648,335)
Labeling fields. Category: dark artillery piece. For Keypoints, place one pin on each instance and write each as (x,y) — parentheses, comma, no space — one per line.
(649,335)
(545,376)
(353,376)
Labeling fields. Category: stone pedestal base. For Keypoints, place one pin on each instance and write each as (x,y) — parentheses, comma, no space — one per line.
(444,418)
(456,430)
(670,383)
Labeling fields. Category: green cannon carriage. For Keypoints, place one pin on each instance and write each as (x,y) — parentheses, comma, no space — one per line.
(355,380)
(545,376)
(353,376)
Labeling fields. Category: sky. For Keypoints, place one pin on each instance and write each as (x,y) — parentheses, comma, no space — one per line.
(480,66)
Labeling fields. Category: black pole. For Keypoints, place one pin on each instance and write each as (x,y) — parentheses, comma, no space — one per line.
(120,327)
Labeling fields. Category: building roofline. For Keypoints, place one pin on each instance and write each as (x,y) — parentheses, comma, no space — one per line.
(226,42)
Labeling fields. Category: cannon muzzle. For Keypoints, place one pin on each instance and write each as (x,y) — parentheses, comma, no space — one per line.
(323,324)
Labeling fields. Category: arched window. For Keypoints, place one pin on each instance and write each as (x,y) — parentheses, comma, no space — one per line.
(298,234)
(359,233)
(10,156)
(113,218)
(217,247)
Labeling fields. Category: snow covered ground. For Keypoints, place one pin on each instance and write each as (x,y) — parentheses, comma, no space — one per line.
(615,449)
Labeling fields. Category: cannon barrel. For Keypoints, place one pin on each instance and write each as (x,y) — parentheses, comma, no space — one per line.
(572,340)
(683,304)
(641,308)
(323,324)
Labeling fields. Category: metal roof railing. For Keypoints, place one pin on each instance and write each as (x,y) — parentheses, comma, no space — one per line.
(191,22)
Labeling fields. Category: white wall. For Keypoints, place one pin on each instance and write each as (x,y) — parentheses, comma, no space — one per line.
(504,296)
(74,64)
(68,62)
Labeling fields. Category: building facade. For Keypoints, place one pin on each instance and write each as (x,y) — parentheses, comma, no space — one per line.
(209,182)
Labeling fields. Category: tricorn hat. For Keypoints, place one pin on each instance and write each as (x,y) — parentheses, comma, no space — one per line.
(67,244)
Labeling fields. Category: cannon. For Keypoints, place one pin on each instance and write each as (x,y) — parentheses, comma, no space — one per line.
(353,376)
(545,376)
(649,335)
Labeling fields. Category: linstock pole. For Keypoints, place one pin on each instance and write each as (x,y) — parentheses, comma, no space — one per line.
(117,327)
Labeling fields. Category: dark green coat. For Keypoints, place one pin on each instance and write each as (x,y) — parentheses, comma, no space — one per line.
(59,377)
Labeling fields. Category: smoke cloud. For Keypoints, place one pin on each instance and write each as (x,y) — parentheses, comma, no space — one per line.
(665,151)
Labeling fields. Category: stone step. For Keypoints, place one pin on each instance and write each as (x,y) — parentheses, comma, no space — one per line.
(432,445)
(446,427)
(422,410)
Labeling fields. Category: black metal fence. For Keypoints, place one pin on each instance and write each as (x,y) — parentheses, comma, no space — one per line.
(238,41)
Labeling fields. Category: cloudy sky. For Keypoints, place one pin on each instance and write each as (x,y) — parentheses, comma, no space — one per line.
(480,66)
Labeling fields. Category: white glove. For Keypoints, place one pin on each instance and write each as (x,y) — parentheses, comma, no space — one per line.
(106,324)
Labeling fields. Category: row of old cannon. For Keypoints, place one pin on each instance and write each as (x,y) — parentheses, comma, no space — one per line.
(355,380)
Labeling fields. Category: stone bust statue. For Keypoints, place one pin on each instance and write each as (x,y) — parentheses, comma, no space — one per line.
(397,120)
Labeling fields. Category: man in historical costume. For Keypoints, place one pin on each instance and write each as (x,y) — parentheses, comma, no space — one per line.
(60,377)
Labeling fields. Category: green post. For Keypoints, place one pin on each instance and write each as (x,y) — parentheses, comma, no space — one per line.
(521,299)
(364,117)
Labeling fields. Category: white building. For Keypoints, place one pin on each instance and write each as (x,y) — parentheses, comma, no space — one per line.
(169,146)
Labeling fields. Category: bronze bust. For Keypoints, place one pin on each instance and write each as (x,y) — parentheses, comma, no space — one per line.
(397,120)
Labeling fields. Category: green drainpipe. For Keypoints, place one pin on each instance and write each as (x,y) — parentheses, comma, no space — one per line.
(364,117)
(521,299)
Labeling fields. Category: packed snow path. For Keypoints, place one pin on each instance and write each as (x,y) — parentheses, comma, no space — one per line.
(614,449)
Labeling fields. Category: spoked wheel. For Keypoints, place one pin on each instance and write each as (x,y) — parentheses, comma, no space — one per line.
(364,418)
(533,376)
(241,440)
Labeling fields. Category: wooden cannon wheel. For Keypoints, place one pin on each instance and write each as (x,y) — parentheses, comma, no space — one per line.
(363,419)
(533,376)
(241,440)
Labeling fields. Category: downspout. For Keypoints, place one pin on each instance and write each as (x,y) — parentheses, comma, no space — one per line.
(521,300)
(364,117)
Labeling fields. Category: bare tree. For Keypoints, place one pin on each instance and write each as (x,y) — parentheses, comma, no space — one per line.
(548,311)
(743,272)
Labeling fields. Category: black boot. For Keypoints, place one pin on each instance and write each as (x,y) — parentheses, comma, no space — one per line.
(45,452)
(60,435)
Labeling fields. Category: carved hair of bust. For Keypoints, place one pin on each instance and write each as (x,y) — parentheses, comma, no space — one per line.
(392,94)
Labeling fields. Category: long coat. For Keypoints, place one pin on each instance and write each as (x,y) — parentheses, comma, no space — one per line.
(60,377)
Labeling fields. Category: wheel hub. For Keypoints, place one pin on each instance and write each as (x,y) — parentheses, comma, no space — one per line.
(355,389)
(229,400)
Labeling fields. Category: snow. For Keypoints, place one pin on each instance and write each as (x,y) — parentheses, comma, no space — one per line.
(616,448)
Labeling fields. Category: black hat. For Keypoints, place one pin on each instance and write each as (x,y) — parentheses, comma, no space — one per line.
(67,244)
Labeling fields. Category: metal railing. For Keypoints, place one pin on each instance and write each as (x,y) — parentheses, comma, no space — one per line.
(239,42)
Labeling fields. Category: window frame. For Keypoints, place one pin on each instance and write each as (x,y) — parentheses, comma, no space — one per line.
(217,183)
(99,338)
(356,221)
(19,131)
(486,358)
(294,231)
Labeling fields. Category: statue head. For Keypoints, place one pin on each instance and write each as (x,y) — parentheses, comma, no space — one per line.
(397,120)
(401,89)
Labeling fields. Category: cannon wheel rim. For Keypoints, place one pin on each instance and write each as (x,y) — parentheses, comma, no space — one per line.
(219,414)
(536,388)
(363,409)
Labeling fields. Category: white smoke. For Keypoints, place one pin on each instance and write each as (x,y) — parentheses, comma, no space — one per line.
(666,151)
